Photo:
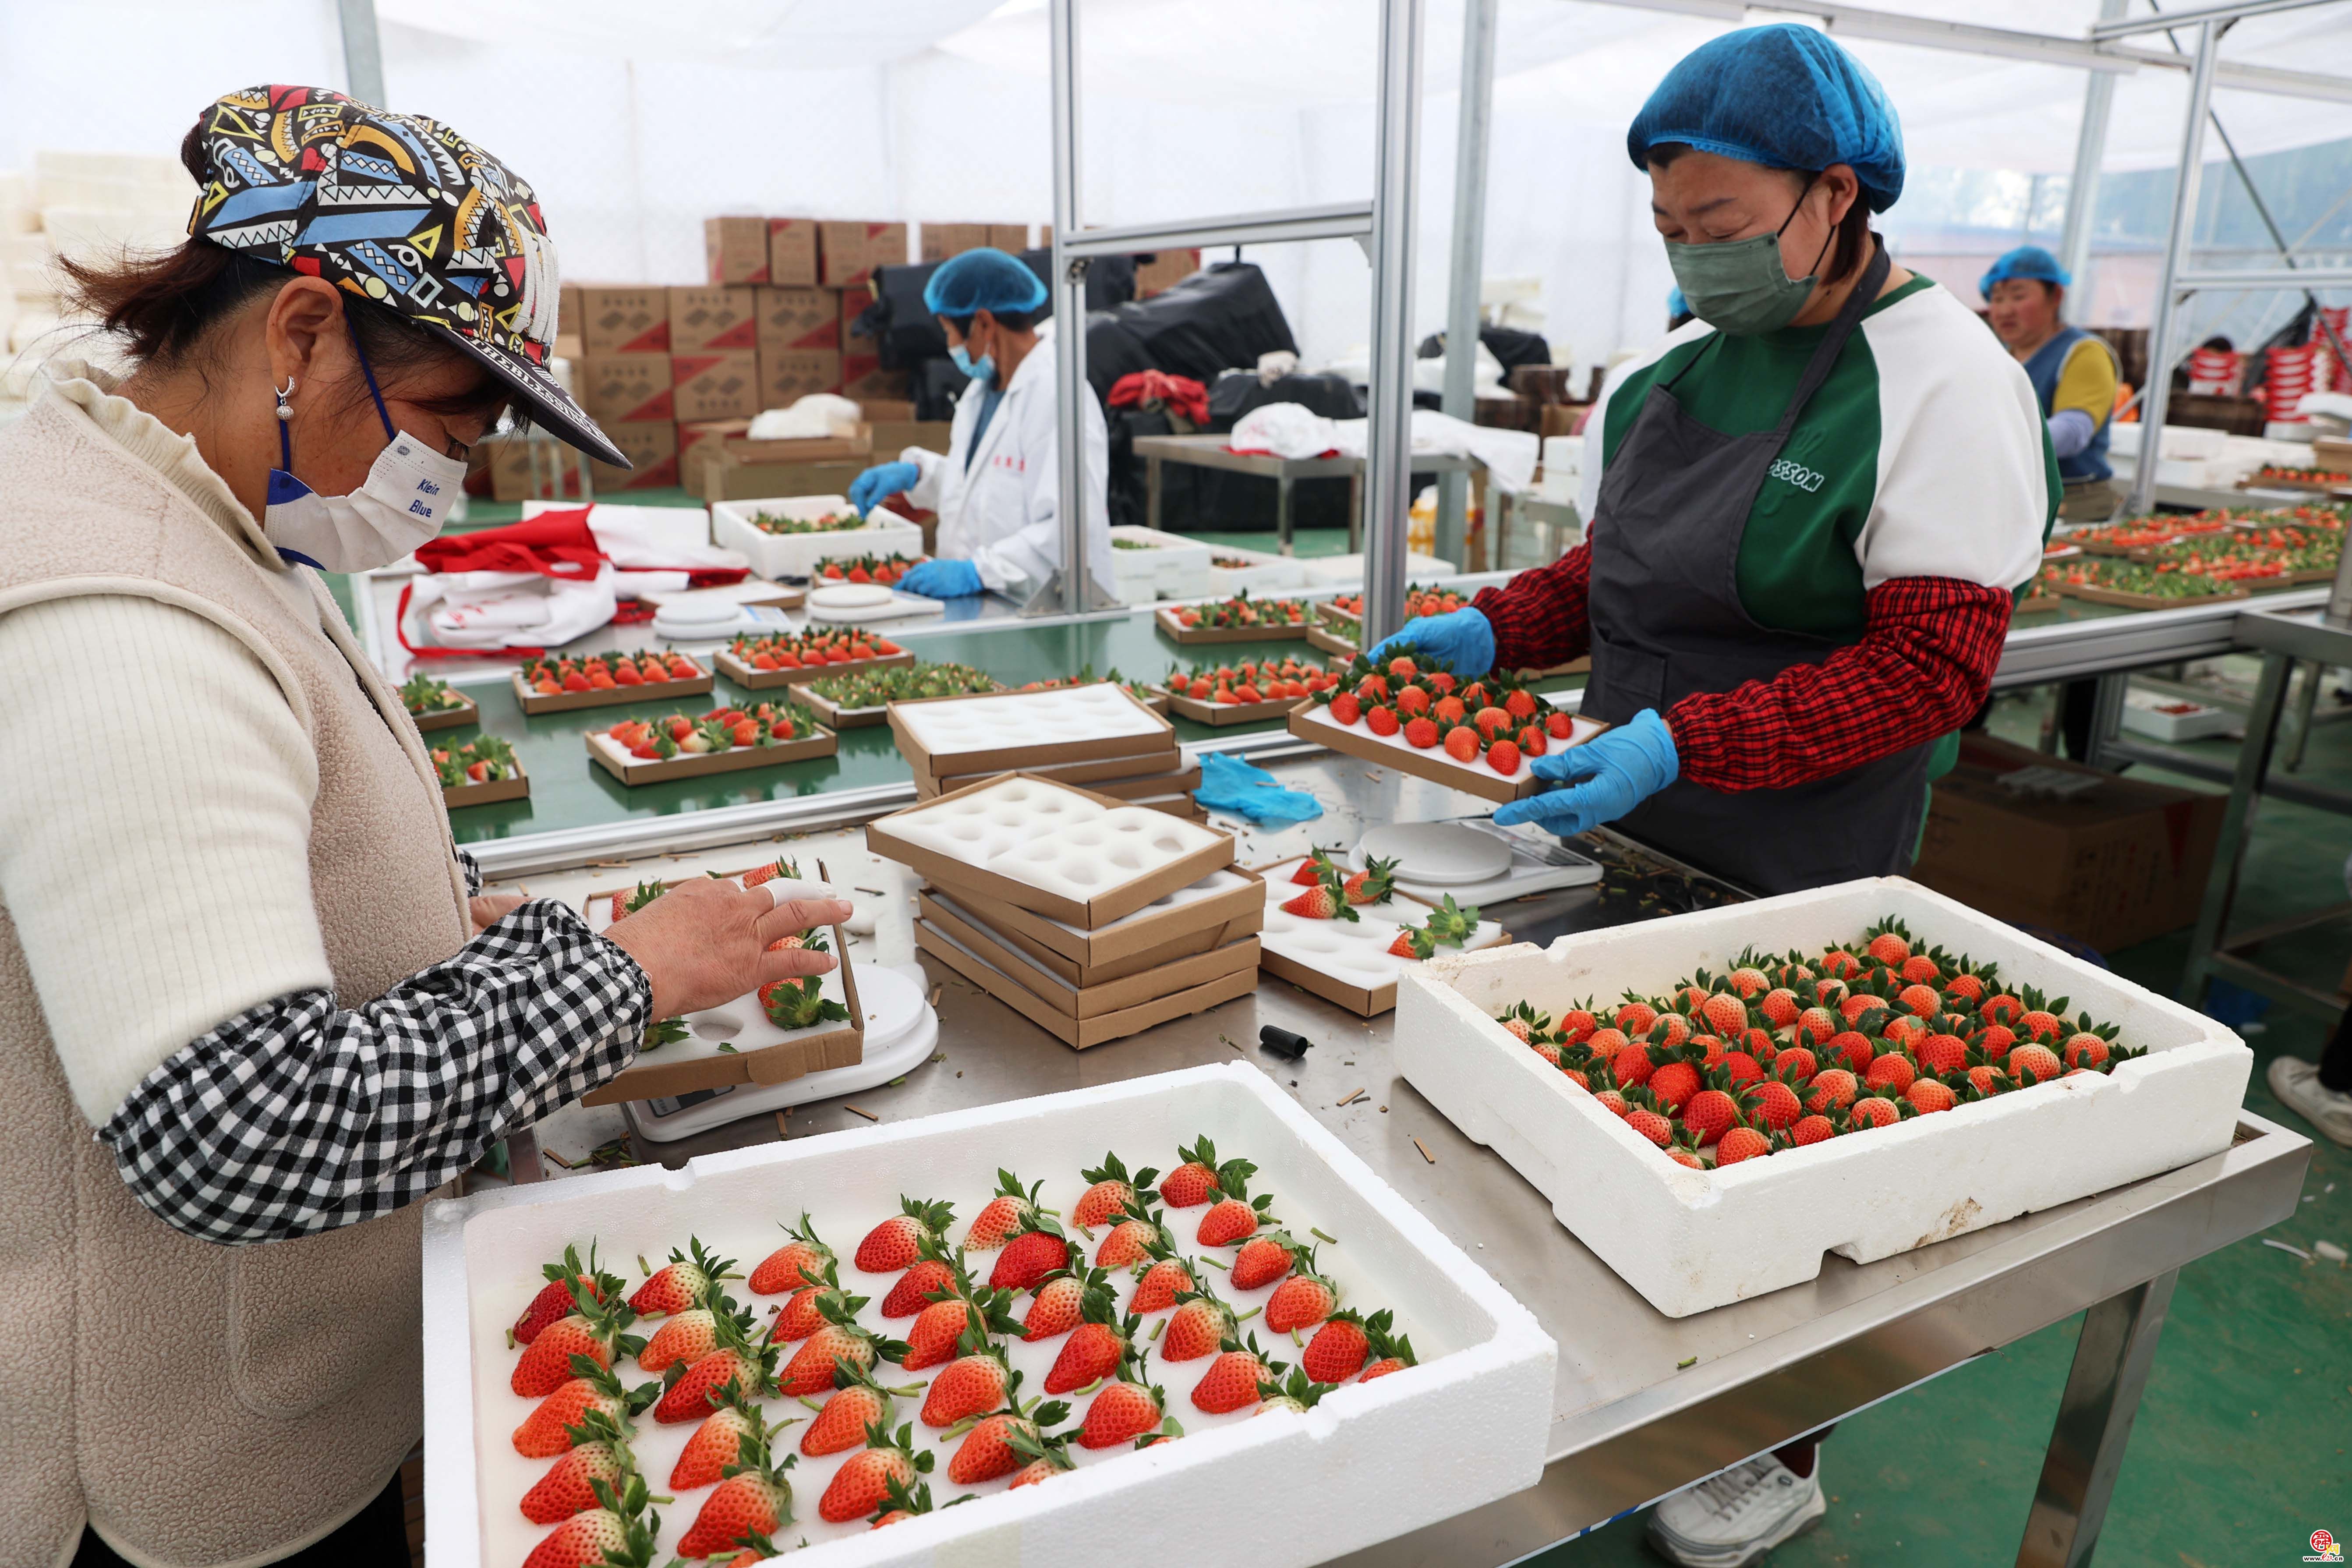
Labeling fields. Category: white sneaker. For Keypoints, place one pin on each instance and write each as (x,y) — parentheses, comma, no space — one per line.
(2296,1083)
(1737,1516)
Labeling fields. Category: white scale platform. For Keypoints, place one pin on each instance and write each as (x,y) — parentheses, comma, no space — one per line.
(1475,861)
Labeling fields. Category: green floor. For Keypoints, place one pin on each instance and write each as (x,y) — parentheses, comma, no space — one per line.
(2241,1448)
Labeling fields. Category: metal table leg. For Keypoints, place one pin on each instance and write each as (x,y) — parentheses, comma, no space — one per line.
(2306,699)
(2237,824)
(1282,513)
(1152,493)
(1355,512)
(2094,1418)
(2106,717)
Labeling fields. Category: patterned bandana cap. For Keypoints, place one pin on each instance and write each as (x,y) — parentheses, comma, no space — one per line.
(401,210)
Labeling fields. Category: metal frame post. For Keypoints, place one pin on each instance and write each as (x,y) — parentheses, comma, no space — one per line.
(1069,291)
(1468,262)
(362,50)
(2089,155)
(2103,1385)
(2158,394)
(1388,478)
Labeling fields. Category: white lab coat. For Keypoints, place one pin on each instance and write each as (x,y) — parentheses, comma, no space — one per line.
(1002,511)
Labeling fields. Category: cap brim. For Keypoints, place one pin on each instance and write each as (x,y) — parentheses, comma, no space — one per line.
(543,397)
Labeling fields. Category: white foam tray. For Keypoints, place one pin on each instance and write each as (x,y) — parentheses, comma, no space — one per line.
(777,555)
(1175,567)
(991,722)
(1355,952)
(1051,837)
(1688,1240)
(1265,573)
(2144,714)
(1372,1461)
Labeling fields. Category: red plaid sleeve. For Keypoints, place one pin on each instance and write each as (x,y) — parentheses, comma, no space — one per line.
(1540,617)
(1922,667)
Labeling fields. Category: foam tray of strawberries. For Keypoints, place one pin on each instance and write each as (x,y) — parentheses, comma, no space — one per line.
(1478,735)
(827,1278)
(1715,1099)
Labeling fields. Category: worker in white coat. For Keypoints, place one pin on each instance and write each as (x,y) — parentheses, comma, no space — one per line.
(998,488)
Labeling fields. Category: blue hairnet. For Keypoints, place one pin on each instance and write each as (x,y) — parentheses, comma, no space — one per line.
(1783,96)
(2025,261)
(983,279)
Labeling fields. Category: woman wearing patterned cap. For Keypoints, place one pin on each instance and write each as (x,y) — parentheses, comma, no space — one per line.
(252,1005)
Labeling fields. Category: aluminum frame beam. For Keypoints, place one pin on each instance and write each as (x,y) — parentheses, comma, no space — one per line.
(2179,234)
(2235,11)
(1388,465)
(1339,220)
(2296,278)
(1467,265)
(362,50)
(2090,157)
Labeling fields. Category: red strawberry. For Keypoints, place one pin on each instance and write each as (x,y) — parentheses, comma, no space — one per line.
(615,1531)
(996,1223)
(1503,756)
(938,1332)
(681,1341)
(1491,722)
(998,1446)
(1381,722)
(2033,1063)
(715,1444)
(1651,1125)
(1230,1219)
(1230,1383)
(1674,1084)
(754,1499)
(1795,1063)
(1988,1079)
(1740,1143)
(2085,1050)
(1942,1054)
(1094,1350)
(678,1284)
(547,1430)
(570,1487)
(1889,949)
(592,1330)
(801,1262)
(1129,1244)
(1774,1104)
(859,1403)
(973,1383)
(1421,733)
(699,1392)
(1560,725)
(1112,1190)
(1036,1250)
(1854,1050)
(1317,903)
(555,1300)
(894,1243)
(1834,1087)
(1462,744)
(1874,1111)
(1120,1413)
(1346,707)
(1921,1000)
(1262,1260)
(1709,1113)
(1629,1060)
(810,1370)
(1340,1347)
(1928,1096)
(1301,1301)
(1155,1291)
(1201,1323)
(1059,1305)
(934,1274)
(1725,1013)
(1811,1130)
(1194,1180)
(1891,1073)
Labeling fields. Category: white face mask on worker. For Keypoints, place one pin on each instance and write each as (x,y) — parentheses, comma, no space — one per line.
(407,494)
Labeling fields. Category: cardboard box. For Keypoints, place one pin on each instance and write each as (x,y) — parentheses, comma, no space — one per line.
(941,240)
(623,389)
(569,312)
(716,466)
(1312,721)
(696,439)
(537,702)
(1150,982)
(1100,908)
(850,303)
(886,410)
(609,756)
(719,481)
(847,253)
(652,446)
(1086,773)
(563,472)
(2118,863)
(1080,1032)
(1219,914)
(569,347)
(1011,237)
(895,436)
(634,320)
(752,678)
(1138,787)
(794,319)
(787,375)
(736,248)
(493,792)
(468,711)
(718,386)
(1148,735)
(712,319)
(862,377)
(1165,272)
(791,253)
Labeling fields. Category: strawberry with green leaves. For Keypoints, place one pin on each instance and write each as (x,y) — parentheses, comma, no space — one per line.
(862,1485)
(618,1532)
(1343,1344)
(843,1337)
(691,1393)
(1201,1325)
(593,1329)
(1061,1302)
(1037,1248)
(892,1246)
(990,1450)
(1298,1393)
(1110,1192)
(1302,1300)
(1198,1177)
(1124,1410)
(1096,1348)
(935,1270)
(602,1454)
(752,1498)
(718,1441)
(858,1402)
(1047,1454)
(993,1225)
(798,1264)
(1234,1380)
(1236,1216)
(555,1423)
(931,1339)
(689,1336)
(978,1381)
(555,1300)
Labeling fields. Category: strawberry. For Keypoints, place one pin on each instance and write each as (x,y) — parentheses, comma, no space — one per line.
(1740,1143)
(1262,1260)
(996,1220)
(1130,1243)
(1491,722)
(2085,1050)
(593,1330)
(1462,743)
(1817,1023)
(989,1451)
(555,1300)
(716,1444)
(1036,1249)
(570,1487)
(1319,903)
(1120,1413)
(1919,970)
(1986,1078)
(1794,1065)
(1201,1324)
(1301,1301)
(1629,1060)
(1833,1089)
(919,1286)
(549,1428)
(1347,708)
(698,1391)
(1412,700)
(685,1339)
(1922,1001)
(1812,1129)
(1421,733)
(1943,1052)
(1651,1125)
(2033,1063)
(1155,1290)
(1381,722)
(1891,1073)
(841,1423)
(1372,884)
(1774,1104)
(1389,1355)
(1095,1348)
(1709,1113)
(2003,1009)
(811,1370)
(1674,1084)
(1725,1013)
(617,1530)
(1195,1179)
(1560,725)
(1685,1157)
(1874,1111)
(803,1261)
(1060,1303)
(1926,1095)
(974,1382)
(1533,742)
(1342,1345)
(1236,1216)
(933,1340)
(1503,756)
(1232,1381)
(754,1499)
(1889,949)
(1993,1040)
(1112,1190)
(804,1314)
(894,1243)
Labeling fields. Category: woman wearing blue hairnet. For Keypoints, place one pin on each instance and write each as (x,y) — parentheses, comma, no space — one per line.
(998,490)
(1809,506)
(2074,374)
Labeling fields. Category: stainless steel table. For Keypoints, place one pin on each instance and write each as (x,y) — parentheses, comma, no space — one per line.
(1632,1424)
(1210,452)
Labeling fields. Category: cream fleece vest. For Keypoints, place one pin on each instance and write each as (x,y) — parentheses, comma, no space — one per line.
(198,1405)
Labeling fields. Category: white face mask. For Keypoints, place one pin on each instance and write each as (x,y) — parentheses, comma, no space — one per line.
(401,504)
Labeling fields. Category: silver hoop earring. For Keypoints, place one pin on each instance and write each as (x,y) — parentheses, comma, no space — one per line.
(285,410)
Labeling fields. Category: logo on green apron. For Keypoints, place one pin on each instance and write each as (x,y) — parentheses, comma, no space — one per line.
(1789,471)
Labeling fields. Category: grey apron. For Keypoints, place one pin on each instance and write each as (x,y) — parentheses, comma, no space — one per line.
(1667,622)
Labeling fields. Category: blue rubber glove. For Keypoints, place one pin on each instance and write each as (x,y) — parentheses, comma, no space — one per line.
(1230,784)
(941,579)
(1463,640)
(1609,775)
(881,480)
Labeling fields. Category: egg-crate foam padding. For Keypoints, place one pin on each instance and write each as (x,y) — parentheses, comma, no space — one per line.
(752,679)
(1004,730)
(1347,962)
(615,758)
(1178,973)
(1080,1034)
(537,702)
(1227,902)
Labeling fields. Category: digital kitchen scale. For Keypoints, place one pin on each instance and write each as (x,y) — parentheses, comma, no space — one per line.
(901,1032)
(1474,860)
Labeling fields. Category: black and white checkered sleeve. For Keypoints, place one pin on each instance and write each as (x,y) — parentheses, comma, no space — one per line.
(299,1115)
(472,870)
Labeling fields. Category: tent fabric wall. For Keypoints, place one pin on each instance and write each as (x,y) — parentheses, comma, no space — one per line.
(635,126)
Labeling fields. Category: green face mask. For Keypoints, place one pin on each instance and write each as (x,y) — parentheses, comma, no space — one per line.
(1739,286)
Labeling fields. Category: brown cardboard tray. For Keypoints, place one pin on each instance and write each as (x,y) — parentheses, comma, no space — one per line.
(1080,1032)
(1138,790)
(515,788)
(1178,972)
(1103,907)
(1018,755)
(608,754)
(1311,720)
(470,712)
(1364,1001)
(1332,643)
(1193,637)
(1229,912)
(854,717)
(1012,927)
(2146,601)
(1223,713)
(751,679)
(535,702)
(1167,760)
(2034,603)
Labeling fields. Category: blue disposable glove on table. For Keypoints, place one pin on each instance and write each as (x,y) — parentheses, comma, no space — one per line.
(1609,775)
(1230,784)
(941,580)
(881,480)
(1464,640)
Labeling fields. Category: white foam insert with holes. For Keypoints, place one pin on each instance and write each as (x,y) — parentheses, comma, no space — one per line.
(992,722)
(1688,1240)
(743,1025)
(1052,837)
(1372,1461)
(1355,952)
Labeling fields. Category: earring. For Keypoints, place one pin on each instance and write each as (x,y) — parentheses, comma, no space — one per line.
(285,409)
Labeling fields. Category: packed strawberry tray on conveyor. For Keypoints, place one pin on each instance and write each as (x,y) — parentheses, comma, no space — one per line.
(1864,1070)
(1456,1417)
(1480,736)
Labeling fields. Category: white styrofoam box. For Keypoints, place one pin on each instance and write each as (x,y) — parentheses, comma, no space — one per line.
(1354,952)
(1372,1461)
(993,720)
(1688,1240)
(2184,443)
(1342,571)
(1261,572)
(1177,566)
(1051,837)
(774,555)
(2165,717)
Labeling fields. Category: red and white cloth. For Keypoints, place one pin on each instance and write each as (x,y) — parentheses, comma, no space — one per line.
(2294,373)
(2215,373)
